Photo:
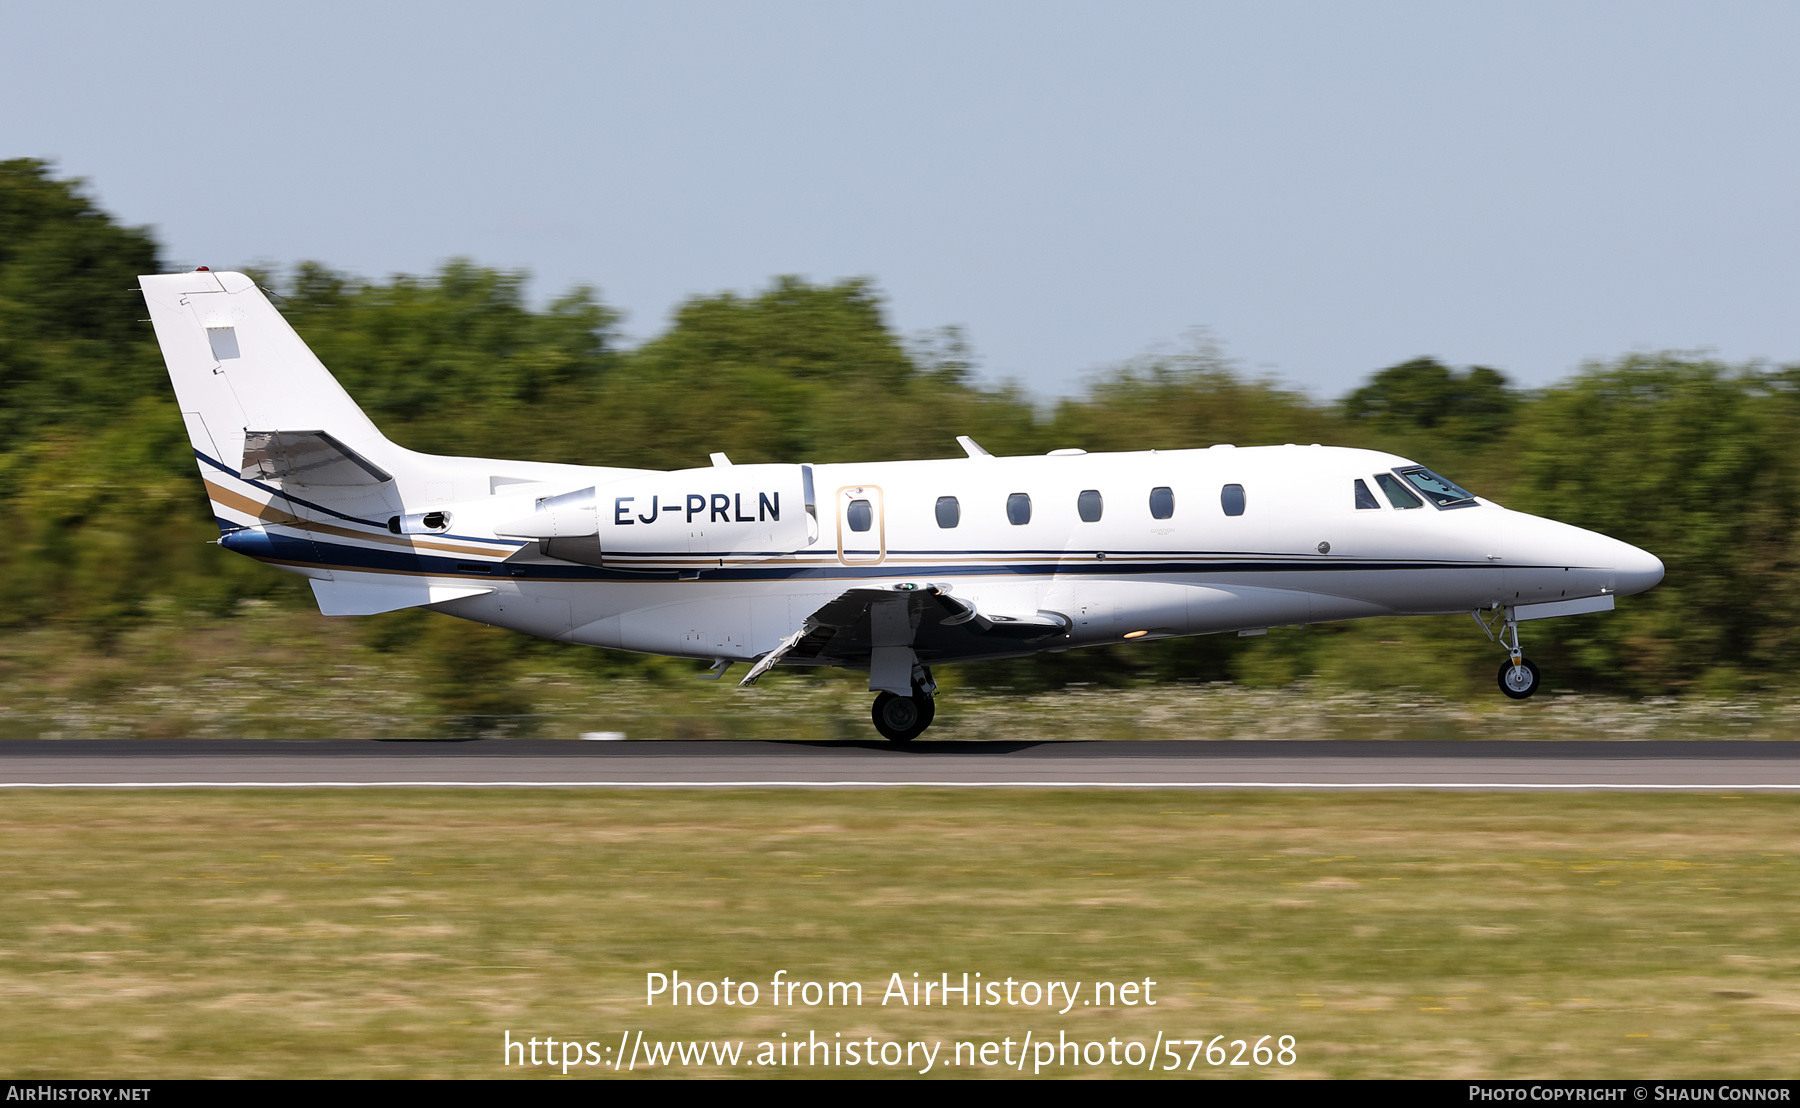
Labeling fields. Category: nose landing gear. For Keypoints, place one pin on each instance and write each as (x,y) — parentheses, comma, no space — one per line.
(1518,677)
(902,719)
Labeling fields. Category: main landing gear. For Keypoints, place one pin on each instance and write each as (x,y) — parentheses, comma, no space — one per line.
(1518,677)
(902,719)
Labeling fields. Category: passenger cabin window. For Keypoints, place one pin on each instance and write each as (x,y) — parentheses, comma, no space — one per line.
(1365,498)
(859,515)
(949,512)
(1397,494)
(1231,498)
(1162,502)
(1018,509)
(1442,492)
(1089,505)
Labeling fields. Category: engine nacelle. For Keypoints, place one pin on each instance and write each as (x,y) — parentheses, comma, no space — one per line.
(727,510)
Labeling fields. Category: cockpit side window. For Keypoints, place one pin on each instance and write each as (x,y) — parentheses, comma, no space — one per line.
(1397,493)
(1441,491)
(1365,498)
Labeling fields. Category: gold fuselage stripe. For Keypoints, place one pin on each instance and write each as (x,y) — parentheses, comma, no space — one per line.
(269,513)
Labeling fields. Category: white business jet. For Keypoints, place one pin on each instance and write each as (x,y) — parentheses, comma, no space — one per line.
(891,567)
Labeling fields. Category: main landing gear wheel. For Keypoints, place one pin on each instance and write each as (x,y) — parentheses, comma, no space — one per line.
(1518,681)
(903,718)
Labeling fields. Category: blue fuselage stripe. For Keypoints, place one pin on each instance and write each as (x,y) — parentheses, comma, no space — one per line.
(294,549)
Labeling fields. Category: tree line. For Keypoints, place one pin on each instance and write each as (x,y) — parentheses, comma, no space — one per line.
(1682,454)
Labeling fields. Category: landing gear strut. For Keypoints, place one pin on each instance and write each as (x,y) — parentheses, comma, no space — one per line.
(904,718)
(1518,677)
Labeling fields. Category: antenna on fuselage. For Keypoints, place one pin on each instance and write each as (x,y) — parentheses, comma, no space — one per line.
(971,447)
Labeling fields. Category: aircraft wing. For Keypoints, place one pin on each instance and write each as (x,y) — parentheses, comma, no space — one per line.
(935,625)
(307,458)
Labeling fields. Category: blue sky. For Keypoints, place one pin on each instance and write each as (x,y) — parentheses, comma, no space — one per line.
(1326,188)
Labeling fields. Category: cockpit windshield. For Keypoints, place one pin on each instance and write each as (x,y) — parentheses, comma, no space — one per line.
(1396,492)
(1444,493)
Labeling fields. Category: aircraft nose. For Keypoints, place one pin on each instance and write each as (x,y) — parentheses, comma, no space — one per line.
(1635,570)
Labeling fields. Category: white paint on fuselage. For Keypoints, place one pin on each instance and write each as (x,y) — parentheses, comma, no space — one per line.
(1197,572)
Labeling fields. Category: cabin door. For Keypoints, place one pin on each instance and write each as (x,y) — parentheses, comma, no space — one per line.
(861,526)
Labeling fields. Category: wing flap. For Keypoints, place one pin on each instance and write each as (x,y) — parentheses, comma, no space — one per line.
(925,619)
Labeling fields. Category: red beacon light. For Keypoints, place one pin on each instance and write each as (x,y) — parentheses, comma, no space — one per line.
(201,269)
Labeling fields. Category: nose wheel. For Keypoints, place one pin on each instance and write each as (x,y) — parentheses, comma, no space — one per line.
(1518,677)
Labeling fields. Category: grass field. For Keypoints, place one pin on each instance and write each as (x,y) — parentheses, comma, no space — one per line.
(402,932)
(282,674)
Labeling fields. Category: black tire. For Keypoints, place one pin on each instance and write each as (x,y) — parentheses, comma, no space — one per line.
(927,710)
(902,718)
(1517,688)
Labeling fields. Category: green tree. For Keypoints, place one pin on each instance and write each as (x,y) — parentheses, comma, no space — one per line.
(1426,394)
(1687,457)
(796,372)
(73,351)
(1692,460)
(1189,398)
(457,362)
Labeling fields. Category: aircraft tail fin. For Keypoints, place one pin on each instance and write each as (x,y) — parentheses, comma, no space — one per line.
(258,404)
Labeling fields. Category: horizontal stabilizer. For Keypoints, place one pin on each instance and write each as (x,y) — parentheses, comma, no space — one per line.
(307,458)
(357,598)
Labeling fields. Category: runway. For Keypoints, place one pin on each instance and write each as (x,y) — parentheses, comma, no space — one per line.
(109,764)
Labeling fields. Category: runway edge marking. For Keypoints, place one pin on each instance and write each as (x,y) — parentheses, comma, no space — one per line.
(1440,785)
